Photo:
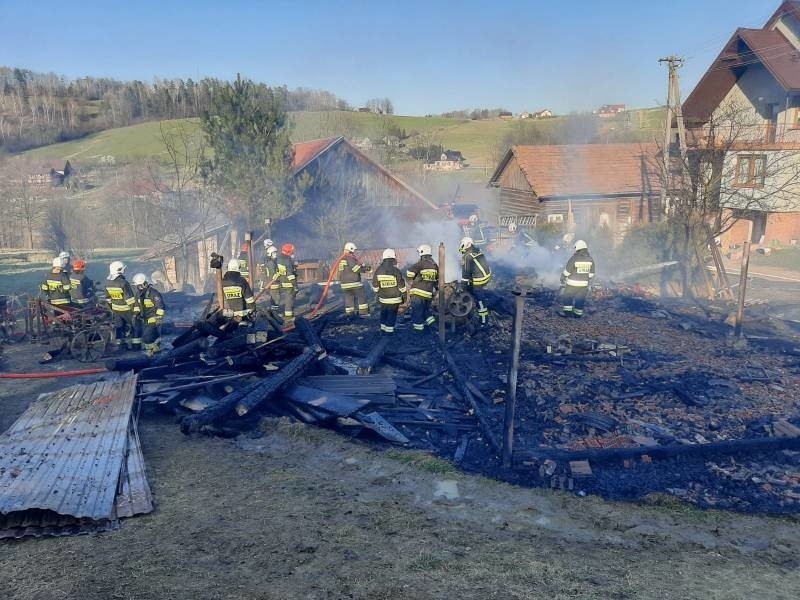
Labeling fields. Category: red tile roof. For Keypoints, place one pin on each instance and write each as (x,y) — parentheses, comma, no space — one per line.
(586,169)
(305,152)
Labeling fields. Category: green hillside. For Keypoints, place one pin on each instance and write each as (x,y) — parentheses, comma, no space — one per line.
(479,141)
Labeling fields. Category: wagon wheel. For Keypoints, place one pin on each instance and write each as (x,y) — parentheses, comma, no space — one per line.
(89,345)
(460,304)
(13,323)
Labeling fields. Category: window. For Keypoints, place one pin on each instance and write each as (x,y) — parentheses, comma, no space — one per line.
(555,218)
(750,170)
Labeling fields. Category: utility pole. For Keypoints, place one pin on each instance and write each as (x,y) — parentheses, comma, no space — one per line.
(674,111)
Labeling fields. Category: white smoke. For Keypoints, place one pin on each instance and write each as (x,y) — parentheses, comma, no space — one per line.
(434,233)
(546,264)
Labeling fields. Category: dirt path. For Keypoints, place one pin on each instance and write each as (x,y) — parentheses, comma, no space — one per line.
(305,513)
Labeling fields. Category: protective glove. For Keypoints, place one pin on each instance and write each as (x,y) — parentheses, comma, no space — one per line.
(227,312)
(563,279)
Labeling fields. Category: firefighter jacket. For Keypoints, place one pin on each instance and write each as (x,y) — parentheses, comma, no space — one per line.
(474,268)
(287,271)
(119,294)
(244,264)
(424,277)
(56,288)
(579,269)
(349,272)
(238,295)
(81,289)
(150,305)
(388,283)
(269,269)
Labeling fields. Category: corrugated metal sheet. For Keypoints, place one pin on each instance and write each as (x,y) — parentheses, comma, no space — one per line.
(66,452)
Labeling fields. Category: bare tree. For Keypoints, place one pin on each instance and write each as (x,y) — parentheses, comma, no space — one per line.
(23,198)
(731,169)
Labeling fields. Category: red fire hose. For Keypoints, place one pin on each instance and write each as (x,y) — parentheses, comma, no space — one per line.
(327,285)
(51,374)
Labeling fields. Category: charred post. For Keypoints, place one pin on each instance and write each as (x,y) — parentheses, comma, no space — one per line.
(511,397)
(374,357)
(742,289)
(441,293)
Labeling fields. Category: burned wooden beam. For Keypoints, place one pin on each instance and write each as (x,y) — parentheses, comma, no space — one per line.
(392,361)
(215,412)
(460,381)
(374,356)
(275,383)
(195,385)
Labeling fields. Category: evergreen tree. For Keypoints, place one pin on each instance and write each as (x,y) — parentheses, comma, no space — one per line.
(247,130)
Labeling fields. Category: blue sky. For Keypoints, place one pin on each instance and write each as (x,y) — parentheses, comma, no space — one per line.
(428,57)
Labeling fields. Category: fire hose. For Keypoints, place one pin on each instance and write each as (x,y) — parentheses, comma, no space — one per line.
(51,374)
(327,286)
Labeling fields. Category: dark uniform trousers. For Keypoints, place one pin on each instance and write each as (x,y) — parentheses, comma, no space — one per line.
(355,300)
(420,307)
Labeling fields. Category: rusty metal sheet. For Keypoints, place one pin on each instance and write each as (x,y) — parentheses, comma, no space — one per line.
(66,452)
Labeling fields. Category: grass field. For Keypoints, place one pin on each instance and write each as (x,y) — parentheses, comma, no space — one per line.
(477,140)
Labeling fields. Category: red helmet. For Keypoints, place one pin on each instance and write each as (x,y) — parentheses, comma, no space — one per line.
(79,265)
(287,249)
(245,246)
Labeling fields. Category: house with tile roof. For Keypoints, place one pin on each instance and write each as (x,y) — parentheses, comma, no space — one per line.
(585,187)
(747,108)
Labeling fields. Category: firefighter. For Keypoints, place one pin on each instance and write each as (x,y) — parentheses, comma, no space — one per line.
(355,300)
(66,266)
(575,278)
(56,286)
(287,277)
(269,270)
(81,291)
(121,300)
(474,230)
(424,278)
(239,299)
(390,288)
(475,273)
(244,262)
(150,311)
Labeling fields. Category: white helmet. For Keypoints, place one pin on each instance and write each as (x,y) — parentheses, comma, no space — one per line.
(63,254)
(139,279)
(350,247)
(57,263)
(272,252)
(267,243)
(466,244)
(233,265)
(388,253)
(580,245)
(473,219)
(512,227)
(424,250)
(116,268)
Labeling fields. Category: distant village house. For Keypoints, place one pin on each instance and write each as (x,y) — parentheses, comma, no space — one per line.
(610,110)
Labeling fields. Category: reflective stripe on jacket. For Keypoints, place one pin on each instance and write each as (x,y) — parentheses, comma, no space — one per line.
(424,277)
(579,269)
(474,268)
(151,305)
(57,288)
(287,271)
(119,294)
(269,268)
(82,289)
(238,294)
(388,283)
(349,272)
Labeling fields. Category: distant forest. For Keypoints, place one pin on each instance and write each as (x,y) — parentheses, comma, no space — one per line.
(37,109)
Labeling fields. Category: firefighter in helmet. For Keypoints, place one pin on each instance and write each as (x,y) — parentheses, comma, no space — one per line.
(150,312)
(355,300)
(287,278)
(56,286)
(390,289)
(576,277)
(424,278)
(269,271)
(81,291)
(239,299)
(475,273)
(244,262)
(121,300)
